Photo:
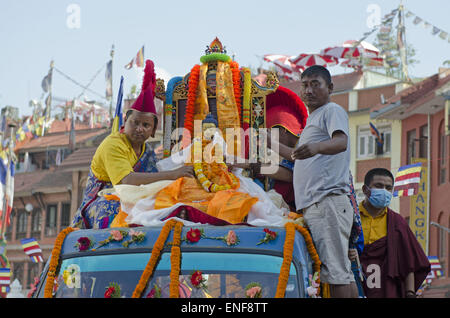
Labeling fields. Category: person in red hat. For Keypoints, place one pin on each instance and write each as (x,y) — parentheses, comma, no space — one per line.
(124,157)
(287,112)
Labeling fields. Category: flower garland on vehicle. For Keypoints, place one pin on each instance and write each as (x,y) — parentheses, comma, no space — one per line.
(155,292)
(112,291)
(54,261)
(175,261)
(253,290)
(114,235)
(194,235)
(288,249)
(136,237)
(84,244)
(311,248)
(156,252)
(197,280)
(270,236)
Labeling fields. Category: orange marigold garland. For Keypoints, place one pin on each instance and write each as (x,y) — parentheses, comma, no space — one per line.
(54,261)
(190,106)
(236,74)
(288,249)
(311,248)
(156,252)
(287,256)
(175,261)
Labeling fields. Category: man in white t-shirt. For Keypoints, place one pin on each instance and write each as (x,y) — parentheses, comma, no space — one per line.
(321,175)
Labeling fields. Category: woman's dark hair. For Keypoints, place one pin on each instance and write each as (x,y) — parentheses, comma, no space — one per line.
(377,172)
(318,70)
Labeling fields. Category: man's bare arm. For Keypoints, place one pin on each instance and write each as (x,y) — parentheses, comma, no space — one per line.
(337,144)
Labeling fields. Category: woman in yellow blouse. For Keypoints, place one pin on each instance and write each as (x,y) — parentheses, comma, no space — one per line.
(124,158)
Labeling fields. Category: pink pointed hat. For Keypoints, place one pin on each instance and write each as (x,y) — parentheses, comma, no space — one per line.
(145,102)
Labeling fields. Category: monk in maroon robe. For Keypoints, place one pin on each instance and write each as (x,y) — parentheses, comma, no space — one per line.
(394,265)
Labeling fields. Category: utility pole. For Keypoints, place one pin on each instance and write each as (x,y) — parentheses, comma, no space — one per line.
(72,142)
(401,41)
(48,100)
(111,101)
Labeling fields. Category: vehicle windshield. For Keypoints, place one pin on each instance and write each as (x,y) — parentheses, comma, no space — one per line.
(225,275)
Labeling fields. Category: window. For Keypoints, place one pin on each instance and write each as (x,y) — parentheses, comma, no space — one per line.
(21,225)
(224,278)
(367,143)
(33,271)
(8,230)
(411,140)
(423,142)
(65,215)
(51,219)
(36,223)
(18,272)
(442,153)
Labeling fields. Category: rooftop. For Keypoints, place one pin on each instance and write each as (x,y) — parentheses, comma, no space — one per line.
(59,139)
(424,97)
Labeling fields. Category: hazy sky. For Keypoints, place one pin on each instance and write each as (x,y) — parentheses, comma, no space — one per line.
(175,34)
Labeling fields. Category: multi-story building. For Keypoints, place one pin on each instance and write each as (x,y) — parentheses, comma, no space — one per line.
(424,112)
(48,184)
(50,180)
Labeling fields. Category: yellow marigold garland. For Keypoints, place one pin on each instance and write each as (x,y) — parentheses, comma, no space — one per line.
(288,249)
(54,261)
(175,261)
(211,186)
(156,252)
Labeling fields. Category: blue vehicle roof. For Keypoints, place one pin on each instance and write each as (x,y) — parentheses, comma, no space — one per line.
(211,243)
(248,236)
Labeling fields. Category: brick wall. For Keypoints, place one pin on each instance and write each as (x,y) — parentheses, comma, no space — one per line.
(340,99)
(363,166)
(371,97)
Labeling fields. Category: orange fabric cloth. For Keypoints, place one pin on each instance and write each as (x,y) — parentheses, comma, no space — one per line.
(228,205)
(119,219)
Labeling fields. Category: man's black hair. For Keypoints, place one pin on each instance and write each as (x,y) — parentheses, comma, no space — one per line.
(377,172)
(318,70)
(130,111)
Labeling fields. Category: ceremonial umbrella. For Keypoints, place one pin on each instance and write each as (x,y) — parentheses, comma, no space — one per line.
(307,60)
(368,61)
(367,49)
(282,62)
(342,52)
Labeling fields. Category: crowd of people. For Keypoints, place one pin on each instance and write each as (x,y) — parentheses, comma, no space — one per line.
(314,181)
